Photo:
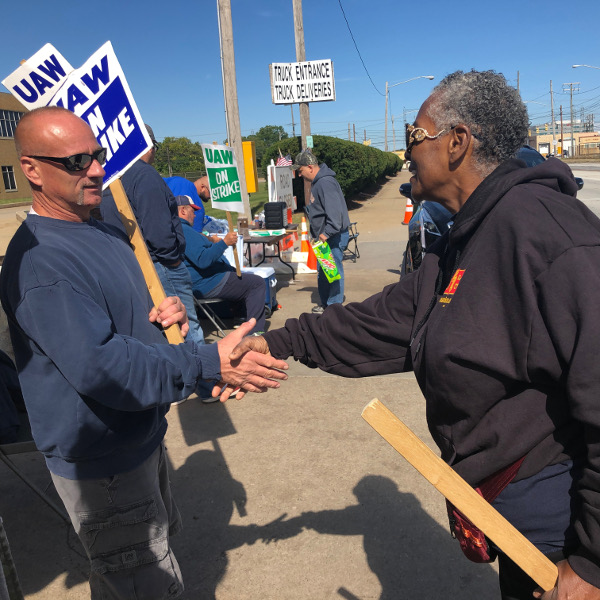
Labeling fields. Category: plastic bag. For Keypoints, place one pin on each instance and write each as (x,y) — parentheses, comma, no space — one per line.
(325,257)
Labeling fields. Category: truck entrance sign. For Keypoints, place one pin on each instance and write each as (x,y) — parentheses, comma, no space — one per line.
(308,81)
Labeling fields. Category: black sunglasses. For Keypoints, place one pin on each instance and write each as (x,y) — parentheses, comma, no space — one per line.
(77,162)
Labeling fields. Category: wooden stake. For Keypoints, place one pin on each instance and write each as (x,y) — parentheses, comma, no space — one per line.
(461,494)
(238,270)
(155,287)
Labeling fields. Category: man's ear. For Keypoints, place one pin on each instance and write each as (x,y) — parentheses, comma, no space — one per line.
(31,171)
(460,141)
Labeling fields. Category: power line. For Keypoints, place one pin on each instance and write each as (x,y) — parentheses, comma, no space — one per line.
(357,50)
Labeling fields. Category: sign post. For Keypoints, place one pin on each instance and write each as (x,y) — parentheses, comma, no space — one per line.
(224,183)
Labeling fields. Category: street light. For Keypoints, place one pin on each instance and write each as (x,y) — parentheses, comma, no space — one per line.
(588,66)
(387,94)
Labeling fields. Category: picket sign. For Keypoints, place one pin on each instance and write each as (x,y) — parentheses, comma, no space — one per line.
(98,93)
(447,481)
(224,184)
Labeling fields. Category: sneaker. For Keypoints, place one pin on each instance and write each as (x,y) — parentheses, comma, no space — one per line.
(318,309)
(209,400)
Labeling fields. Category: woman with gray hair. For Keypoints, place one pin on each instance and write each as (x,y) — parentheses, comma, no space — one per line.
(500,326)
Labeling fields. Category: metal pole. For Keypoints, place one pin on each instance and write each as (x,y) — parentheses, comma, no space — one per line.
(553,123)
(293,124)
(386,109)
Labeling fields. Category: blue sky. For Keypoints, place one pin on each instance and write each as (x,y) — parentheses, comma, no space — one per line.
(169,52)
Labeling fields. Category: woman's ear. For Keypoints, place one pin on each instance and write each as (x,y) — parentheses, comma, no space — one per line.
(460,141)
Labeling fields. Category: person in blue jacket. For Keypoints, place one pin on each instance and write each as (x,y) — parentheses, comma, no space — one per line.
(198,191)
(329,222)
(212,275)
(95,369)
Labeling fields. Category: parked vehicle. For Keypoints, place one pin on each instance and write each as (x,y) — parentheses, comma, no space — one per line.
(431,220)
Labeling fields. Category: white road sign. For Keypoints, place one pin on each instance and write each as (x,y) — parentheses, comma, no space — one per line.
(308,81)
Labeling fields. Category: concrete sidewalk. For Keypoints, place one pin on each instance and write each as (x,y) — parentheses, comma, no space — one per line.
(288,495)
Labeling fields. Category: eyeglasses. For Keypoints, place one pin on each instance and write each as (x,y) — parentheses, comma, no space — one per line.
(77,162)
(414,135)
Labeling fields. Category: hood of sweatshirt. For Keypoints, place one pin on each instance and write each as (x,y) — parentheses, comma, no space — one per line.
(324,171)
(552,173)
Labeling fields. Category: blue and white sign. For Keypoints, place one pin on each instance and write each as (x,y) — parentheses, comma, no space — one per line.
(35,82)
(98,93)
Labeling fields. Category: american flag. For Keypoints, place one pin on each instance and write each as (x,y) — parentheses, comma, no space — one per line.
(284,161)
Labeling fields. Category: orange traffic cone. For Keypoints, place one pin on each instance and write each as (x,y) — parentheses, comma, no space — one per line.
(304,243)
(311,262)
(408,213)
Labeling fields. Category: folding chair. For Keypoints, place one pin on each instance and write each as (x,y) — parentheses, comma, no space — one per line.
(353,239)
(204,305)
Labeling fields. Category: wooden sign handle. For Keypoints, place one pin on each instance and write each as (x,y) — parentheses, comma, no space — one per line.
(235,252)
(138,244)
(461,494)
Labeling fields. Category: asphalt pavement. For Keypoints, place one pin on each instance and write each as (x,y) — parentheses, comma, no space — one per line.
(287,495)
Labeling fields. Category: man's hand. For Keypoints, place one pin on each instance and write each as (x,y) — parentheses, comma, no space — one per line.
(569,586)
(243,367)
(171,310)
(323,237)
(231,238)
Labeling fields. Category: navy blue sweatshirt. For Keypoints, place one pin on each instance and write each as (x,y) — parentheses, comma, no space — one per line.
(96,375)
(155,210)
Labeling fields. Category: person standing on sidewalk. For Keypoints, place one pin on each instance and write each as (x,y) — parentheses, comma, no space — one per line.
(97,373)
(499,324)
(329,222)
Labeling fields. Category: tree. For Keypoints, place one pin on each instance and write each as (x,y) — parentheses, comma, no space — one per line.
(266,136)
(181,154)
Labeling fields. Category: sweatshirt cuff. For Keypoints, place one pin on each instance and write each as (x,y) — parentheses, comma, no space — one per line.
(586,566)
(209,363)
(280,343)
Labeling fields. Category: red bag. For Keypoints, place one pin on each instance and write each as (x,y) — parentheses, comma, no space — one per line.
(472,541)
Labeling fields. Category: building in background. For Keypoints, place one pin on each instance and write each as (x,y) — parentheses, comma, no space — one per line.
(585,142)
(13,184)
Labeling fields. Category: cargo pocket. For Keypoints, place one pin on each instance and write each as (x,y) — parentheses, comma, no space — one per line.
(124,537)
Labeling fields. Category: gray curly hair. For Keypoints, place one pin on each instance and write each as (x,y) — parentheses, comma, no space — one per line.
(491,108)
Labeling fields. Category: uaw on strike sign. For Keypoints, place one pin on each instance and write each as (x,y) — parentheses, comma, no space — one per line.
(97,92)
(223,178)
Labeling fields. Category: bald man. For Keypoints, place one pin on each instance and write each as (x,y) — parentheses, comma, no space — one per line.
(97,373)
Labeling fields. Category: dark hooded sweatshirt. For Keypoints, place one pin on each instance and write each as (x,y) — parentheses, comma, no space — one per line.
(501,325)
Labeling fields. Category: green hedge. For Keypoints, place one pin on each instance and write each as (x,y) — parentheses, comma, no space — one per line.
(356,166)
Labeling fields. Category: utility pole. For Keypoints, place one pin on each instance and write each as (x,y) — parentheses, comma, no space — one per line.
(393,132)
(301,57)
(349,133)
(572,153)
(552,117)
(293,124)
(304,110)
(365,135)
(386,108)
(518,81)
(232,113)
(169,162)
(562,139)
(354,130)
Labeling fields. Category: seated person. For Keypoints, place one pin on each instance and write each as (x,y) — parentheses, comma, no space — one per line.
(198,191)
(212,275)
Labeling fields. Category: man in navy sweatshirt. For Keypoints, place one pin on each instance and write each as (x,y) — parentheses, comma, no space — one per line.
(96,371)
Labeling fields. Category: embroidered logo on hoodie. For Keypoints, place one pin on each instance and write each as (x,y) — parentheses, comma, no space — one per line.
(452,286)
